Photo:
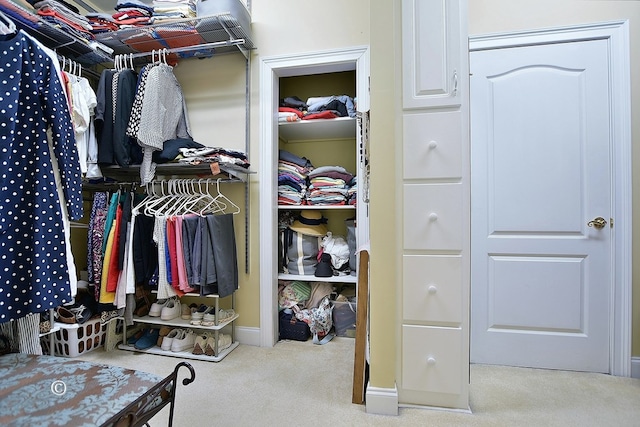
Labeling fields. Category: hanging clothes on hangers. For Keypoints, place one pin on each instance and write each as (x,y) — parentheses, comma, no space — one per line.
(163,116)
(83,103)
(34,269)
(7,26)
(115,96)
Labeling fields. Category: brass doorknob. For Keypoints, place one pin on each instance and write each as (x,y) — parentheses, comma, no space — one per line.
(598,223)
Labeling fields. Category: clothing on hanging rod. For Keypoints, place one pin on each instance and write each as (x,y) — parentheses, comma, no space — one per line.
(7,26)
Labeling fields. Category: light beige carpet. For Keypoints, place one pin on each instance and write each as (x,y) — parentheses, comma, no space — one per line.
(298,383)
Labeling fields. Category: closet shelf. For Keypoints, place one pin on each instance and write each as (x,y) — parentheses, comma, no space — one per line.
(310,278)
(316,207)
(317,130)
(183,354)
(181,323)
(132,172)
(184,38)
(83,51)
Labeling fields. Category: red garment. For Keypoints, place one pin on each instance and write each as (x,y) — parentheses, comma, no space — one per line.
(61,18)
(180,37)
(290,110)
(114,271)
(173,255)
(320,115)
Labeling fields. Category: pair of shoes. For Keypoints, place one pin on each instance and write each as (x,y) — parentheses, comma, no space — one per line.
(224,342)
(64,315)
(82,313)
(135,337)
(156,308)
(45,326)
(106,316)
(171,310)
(148,339)
(164,331)
(198,315)
(209,319)
(179,340)
(200,344)
(142,308)
(167,341)
(187,310)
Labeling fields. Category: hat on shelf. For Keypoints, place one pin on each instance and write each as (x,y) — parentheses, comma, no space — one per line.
(311,223)
(324,269)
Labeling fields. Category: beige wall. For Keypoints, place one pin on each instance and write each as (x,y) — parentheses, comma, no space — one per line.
(215,93)
(214,89)
(496,16)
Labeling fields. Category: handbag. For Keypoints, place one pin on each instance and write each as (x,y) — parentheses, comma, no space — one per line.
(320,320)
(301,252)
(291,328)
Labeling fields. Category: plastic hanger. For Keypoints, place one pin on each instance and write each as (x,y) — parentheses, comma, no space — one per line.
(205,202)
(150,196)
(225,198)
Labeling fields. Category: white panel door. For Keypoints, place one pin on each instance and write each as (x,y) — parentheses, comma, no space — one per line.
(540,142)
(432,47)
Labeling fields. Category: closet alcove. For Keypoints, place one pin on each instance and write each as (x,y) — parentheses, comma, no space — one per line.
(220,33)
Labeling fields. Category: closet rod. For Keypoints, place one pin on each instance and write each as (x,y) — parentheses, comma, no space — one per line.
(84,70)
(213,45)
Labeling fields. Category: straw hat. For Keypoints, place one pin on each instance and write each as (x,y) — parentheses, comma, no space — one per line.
(311,223)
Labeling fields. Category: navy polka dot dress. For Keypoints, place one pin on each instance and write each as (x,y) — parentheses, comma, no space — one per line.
(33,268)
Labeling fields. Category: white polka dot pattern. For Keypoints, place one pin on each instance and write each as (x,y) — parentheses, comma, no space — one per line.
(33,267)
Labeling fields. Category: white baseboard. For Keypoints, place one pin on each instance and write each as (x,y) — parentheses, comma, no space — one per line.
(635,367)
(381,401)
(248,336)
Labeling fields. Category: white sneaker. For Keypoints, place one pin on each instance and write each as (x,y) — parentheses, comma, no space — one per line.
(156,308)
(171,310)
(224,342)
(200,344)
(169,338)
(184,341)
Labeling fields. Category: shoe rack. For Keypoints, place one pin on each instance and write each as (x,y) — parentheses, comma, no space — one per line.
(216,330)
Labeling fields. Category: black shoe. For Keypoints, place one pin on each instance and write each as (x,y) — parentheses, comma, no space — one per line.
(82,313)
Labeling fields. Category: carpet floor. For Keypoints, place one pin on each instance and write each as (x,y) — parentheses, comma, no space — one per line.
(298,383)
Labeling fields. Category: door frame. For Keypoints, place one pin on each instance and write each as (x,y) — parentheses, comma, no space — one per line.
(271,69)
(617,35)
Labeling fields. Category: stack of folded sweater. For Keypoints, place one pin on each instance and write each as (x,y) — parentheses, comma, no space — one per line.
(328,186)
(352,193)
(65,17)
(223,156)
(293,109)
(166,10)
(293,172)
(132,13)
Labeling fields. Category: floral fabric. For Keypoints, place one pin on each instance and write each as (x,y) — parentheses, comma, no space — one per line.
(50,391)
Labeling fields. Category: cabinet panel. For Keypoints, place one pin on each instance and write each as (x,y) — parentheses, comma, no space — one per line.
(432,289)
(432,145)
(433,216)
(432,359)
(431,53)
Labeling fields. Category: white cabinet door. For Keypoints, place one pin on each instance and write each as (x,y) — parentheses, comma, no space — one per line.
(431,49)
